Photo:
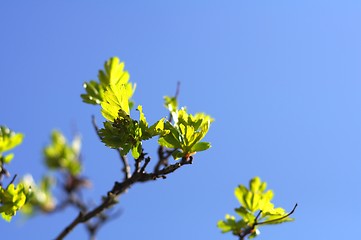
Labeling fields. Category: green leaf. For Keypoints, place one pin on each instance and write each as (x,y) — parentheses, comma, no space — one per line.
(200,146)
(115,100)
(247,216)
(94,93)
(9,139)
(12,199)
(255,184)
(142,120)
(254,201)
(186,133)
(240,192)
(114,80)
(231,225)
(8,158)
(177,154)
(171,103)
(137,150)
(228,224)
(158,129)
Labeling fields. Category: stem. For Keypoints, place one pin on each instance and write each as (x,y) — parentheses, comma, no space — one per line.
(12,181)
(119,188)
(70,227)
(283,217)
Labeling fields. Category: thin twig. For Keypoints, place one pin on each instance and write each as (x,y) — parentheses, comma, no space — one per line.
(251,228)
(162,159)
(278,219)
(12,181)
(126,166)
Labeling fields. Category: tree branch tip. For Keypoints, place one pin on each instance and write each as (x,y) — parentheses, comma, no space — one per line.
(12,181)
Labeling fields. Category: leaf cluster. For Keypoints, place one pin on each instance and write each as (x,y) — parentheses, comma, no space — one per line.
(8,140)
(61,155)
(186,133)
(121,131)
(256,209)
(12,198)
(113,80)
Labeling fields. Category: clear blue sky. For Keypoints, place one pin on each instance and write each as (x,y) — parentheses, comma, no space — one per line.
(281,78)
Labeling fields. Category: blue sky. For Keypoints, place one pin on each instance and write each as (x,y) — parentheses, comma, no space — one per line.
(281,78)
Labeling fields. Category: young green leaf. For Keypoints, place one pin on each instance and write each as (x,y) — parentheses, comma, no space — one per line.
(12,199)
(112,77)
(171,103)
(127,134)
(256,209)
(186,133)
(115,100)
(8,141)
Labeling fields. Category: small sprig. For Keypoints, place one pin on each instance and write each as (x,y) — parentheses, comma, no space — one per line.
(256,209)
(179,136)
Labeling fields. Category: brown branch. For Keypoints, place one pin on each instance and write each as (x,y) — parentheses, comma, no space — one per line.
(71,226)
(119,188)
(139,175)
(166,170)
(3,172)
(126,166)
(12,181)
(162,159)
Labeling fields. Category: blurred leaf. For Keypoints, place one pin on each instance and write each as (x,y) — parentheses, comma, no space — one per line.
(254,201)
(8,140)
(171,103)
(231,225)
(40,198)
(59,155)
(200,146)
(8,158)
(94,93)
(12,199)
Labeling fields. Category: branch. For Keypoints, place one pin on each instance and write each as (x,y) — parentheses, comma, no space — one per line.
(12,181)
(139,175)
(3,172)
(70,227)
(119,188)
(162,159)
(126,167)
(166,170)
